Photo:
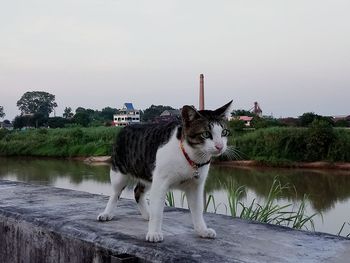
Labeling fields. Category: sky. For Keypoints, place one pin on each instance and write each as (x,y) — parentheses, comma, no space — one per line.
(292,56)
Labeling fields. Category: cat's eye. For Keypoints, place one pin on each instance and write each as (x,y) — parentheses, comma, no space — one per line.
(206,135)
(225,133)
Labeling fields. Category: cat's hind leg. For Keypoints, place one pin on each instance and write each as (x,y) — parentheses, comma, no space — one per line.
(119,182)
(140,197)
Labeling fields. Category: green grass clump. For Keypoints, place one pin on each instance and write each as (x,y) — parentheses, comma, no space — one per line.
(285,145)
(270,212)
(278,146)
(340,233)
(169,199)
(65,142)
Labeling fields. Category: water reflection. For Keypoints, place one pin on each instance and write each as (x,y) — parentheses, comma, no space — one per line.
(328,190)
(323,187)
(47,171)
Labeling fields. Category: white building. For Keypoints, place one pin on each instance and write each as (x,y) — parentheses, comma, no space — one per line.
(127,115)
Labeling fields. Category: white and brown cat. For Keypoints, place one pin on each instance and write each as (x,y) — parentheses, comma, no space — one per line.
(170,155)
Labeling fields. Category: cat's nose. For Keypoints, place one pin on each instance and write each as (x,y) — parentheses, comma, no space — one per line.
(219,147)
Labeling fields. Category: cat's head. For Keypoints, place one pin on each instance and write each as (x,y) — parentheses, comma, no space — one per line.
(206,130)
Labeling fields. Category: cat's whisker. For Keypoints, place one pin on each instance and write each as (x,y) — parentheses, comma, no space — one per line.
(232,153)
(202,156)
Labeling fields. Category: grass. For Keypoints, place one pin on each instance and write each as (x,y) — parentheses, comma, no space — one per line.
(169,199)
(340,233)
(67,142)
(273,146)
(269,212)
(285,145)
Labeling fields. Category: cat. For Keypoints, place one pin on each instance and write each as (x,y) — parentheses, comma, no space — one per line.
(176,154)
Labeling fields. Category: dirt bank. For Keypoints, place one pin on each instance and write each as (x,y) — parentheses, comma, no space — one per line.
(96,160)
(310,165)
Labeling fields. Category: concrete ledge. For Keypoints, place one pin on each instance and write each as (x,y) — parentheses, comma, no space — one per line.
(46,224)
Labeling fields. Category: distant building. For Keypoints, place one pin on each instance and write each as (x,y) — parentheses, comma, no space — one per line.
(167,116)
(341,117)
(6,125)
(256,109)
(246,119)
(126,115)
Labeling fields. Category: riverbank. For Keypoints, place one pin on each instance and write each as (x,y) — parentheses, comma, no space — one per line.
(100,160)
(288,145)
(304,165)
(61,143)
(318,147)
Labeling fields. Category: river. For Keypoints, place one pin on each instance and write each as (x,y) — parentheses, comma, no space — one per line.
(327,191)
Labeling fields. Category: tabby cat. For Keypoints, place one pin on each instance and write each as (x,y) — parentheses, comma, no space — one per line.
(176,154)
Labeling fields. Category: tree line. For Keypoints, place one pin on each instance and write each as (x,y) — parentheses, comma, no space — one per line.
(36,107)
(305,120)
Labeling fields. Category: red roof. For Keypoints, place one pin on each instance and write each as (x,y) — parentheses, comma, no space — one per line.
(245,118)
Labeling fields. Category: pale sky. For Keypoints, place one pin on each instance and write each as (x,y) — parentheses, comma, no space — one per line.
(292,56)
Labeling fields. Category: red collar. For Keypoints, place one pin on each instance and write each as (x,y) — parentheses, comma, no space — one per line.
(189,160)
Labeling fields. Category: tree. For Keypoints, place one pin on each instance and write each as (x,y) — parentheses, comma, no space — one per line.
(80,109)
(34,120)
(2,113)
(33,102)
(107,113)
(320,135)
(309,117)
(81,118)
(241,112)
(236,125)
(68,114)
(57,122)
(294,122)
(85,116)
(341,123)
(154,111)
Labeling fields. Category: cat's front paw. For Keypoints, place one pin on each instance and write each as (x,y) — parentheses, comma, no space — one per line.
(104,217)
(207,233)
(154,237)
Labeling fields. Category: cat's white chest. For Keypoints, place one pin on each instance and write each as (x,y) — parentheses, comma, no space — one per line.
(172,165)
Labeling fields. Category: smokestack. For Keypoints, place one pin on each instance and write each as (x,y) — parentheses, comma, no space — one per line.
(201,92)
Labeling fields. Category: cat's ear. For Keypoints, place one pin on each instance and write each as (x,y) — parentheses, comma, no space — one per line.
(224,111)
(189,113)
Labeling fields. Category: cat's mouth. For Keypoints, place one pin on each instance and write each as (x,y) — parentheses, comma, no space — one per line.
(217,153)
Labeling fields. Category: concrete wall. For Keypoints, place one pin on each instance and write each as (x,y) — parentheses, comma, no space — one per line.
(25,242)
(45,224)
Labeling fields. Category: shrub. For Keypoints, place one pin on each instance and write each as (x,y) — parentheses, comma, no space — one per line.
(320,135)
(236,125)
(66,142)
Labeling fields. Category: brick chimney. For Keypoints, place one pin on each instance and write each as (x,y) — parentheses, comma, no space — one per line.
(201,92)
